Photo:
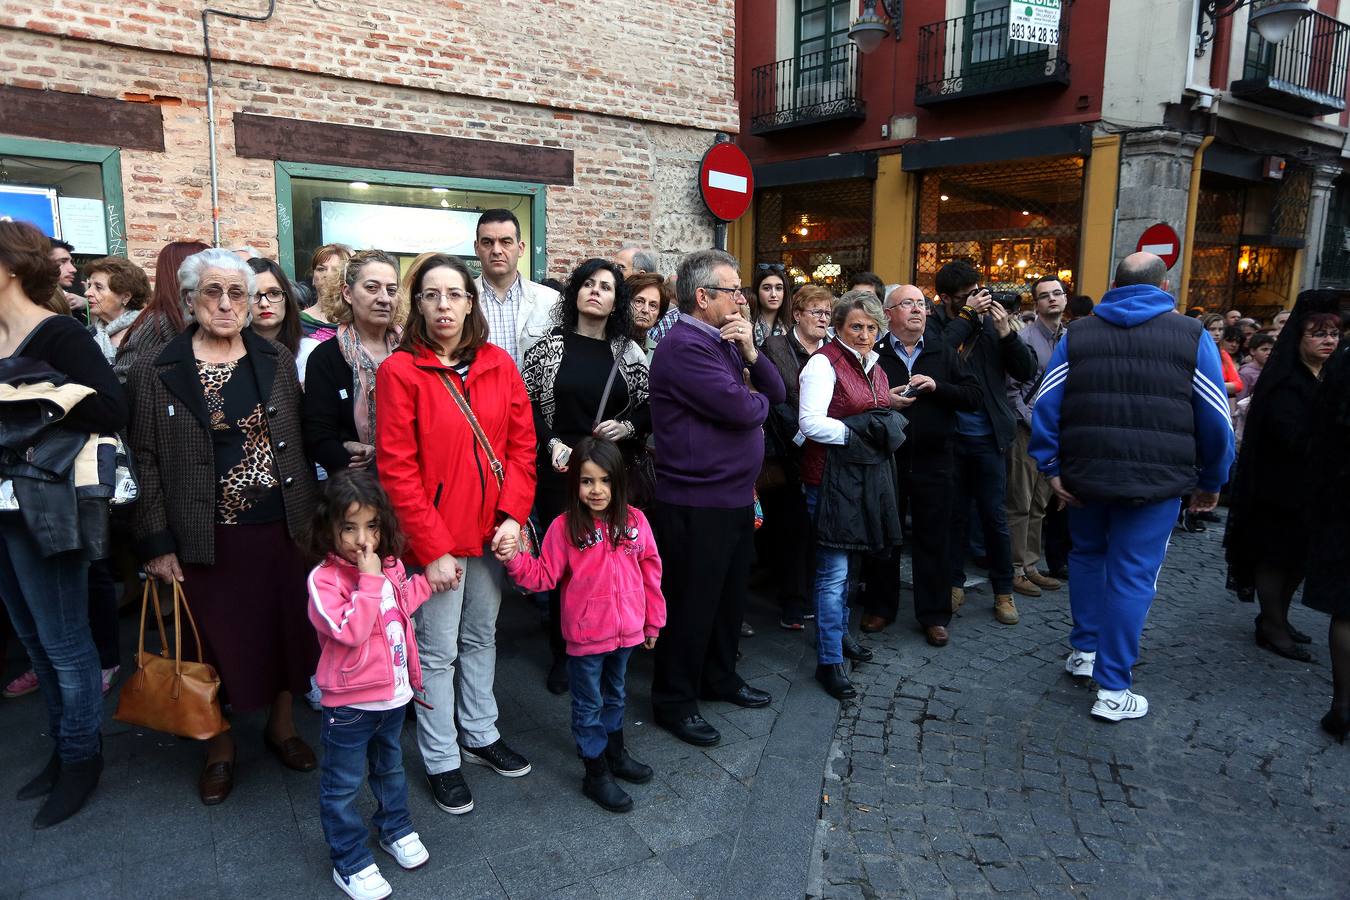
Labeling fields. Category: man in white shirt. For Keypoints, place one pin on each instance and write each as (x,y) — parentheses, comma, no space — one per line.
(519,311)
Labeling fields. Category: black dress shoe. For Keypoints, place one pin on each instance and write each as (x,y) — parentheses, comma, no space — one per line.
(1293,651)
(835,681)
(1297,636)
(692,729)
(748,697)
(856,651)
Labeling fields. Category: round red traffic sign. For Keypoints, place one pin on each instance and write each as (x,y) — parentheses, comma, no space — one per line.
(1160,240)
(726,181)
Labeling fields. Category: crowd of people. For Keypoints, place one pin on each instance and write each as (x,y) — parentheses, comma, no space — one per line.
(388,450)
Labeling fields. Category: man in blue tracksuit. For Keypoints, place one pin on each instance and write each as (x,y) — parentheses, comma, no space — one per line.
(1131,414)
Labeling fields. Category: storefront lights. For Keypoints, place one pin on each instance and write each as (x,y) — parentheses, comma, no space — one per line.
(360,185)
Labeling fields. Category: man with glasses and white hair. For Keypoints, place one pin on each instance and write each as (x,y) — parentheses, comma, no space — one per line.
(709,448)
(1029,493)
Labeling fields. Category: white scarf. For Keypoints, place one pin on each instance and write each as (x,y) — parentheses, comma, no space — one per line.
(103,332)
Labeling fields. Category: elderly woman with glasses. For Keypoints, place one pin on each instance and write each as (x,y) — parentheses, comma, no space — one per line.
(226,498)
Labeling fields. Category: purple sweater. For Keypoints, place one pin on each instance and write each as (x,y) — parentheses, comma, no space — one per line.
(707,423)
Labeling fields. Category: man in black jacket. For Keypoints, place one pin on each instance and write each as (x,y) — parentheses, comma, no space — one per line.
(911,355)
(981,332)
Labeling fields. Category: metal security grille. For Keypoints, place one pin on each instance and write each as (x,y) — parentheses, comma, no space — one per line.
(1014,221)
(822,233)
(1231,267)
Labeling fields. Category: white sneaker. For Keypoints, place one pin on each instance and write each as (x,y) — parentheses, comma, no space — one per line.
(368,884)
(1116,705)
(407,850)
(1079,664)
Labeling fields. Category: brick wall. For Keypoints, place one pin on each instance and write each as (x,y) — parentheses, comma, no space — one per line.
(637,96)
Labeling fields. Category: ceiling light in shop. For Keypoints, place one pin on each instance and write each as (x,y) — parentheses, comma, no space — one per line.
(1026,212)
(803,231)
(360,185)
(1021,264)
(945,198)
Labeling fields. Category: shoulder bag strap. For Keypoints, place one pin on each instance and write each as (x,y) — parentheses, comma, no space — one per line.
(604,397)
(496,465)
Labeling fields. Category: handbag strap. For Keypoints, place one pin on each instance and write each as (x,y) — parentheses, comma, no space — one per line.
(493,462)
(604,397)
(181,598)
(151,592)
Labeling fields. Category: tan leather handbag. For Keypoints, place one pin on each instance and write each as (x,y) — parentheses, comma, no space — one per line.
(167,694)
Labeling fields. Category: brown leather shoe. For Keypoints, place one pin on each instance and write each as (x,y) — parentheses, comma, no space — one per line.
(293,753)
(1005,610)
(936,635)
(872,624)
(958,598)
(1023,585)
(1043,581)
(216,782)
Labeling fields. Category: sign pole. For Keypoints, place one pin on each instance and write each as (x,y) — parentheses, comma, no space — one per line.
(720,235)
(726,182)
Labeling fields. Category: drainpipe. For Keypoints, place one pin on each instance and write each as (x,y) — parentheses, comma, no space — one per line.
(211,105)
(1188,242)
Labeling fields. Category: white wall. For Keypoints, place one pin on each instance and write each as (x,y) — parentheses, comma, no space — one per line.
(1147,55)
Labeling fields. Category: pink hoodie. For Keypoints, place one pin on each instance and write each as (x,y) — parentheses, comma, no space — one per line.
(355,665)
(611,597)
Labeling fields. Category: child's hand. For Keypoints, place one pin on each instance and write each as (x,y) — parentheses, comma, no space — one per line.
(507,548)
(650,643)
(368,562)
(457,577)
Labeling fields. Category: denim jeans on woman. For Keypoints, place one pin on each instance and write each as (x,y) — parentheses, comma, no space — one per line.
(597,683)
(831,591)
(359,744)
(48,603)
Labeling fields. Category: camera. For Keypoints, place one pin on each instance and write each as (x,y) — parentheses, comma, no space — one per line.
(1009,300)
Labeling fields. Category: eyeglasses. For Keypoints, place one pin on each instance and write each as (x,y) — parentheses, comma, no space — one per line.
(455,295)
(275,295)
(214,292)
(1322,335)
(907,303)
(716,287)
(817,313)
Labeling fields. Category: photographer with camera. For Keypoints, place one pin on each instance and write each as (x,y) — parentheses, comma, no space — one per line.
(980,330)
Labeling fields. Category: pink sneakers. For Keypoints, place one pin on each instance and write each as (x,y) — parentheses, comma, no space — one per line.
(24,684)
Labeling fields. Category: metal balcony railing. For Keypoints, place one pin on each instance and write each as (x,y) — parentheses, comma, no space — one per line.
(973,55)
(1304,74)
(807,89)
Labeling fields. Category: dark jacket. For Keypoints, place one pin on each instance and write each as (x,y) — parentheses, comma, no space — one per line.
(328,410)
(780,429)
(857,507)
(171,441)
(932,416)
(992,360)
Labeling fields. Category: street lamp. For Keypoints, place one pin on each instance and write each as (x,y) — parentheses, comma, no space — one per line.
(869,28)
(1272,19)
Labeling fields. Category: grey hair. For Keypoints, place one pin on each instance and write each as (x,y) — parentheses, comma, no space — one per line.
(695,271)
(861,300)
(191,271)
(643,259)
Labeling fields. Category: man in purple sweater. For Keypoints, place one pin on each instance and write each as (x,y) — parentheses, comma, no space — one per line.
(709,448)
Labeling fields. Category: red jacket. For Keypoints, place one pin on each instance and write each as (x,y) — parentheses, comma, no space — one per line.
(437,477)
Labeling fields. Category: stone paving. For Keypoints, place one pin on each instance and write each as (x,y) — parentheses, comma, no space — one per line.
(975,770)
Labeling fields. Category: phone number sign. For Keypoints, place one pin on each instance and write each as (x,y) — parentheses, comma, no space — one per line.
(1034,21)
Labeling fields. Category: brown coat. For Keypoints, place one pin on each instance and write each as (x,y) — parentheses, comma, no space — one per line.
(171,443)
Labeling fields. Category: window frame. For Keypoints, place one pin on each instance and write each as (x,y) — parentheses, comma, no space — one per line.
(109,161)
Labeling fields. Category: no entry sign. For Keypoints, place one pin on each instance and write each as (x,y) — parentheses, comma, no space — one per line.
(1160,240)
(726,181)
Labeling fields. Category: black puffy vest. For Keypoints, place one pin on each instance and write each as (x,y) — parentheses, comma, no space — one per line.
(1127,427)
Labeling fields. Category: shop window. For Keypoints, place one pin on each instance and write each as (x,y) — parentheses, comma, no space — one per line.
(821,233)
(402,213)
(1014,222)
(72,192)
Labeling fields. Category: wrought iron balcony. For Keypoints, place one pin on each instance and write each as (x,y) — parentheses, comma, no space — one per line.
(806,90)
(973,55)
(1303,74)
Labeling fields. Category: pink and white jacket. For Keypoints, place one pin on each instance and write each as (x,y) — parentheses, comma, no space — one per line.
(611,596)
(355,665)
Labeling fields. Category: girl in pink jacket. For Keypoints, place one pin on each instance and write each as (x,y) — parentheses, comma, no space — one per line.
(602,552)
(361,602)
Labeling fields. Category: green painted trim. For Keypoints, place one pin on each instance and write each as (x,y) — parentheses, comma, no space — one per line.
(285,171)
(109,160)
(285,221)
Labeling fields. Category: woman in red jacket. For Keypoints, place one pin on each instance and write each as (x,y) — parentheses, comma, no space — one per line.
(456,499)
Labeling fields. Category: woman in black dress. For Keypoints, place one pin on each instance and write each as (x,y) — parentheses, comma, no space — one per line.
(1267,536)
(565,375)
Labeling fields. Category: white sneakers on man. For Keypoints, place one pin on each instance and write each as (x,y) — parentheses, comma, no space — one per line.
(1080,663)
(368,884)
(407,851)
(1117,705)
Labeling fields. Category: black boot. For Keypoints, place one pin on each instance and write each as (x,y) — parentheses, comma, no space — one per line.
(856,651)
(622,764)
(835,681)
(74,783)
(600,787)
(42,784)
(557,676)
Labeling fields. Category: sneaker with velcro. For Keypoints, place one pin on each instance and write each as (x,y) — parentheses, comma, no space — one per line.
(368,884)
(408,851)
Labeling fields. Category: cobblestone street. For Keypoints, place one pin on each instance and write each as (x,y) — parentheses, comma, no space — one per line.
(975,769)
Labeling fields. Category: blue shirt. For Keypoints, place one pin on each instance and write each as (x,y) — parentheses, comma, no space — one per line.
(905,356)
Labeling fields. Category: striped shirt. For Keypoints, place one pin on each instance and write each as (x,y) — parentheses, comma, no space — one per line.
(501,313)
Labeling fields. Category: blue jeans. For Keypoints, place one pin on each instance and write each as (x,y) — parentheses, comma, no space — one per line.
(597,683)
(1113,575)
(981,475)
(357,741)
(831,594)
(48,603)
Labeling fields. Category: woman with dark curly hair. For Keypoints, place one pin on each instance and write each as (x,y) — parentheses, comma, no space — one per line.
(587,377)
